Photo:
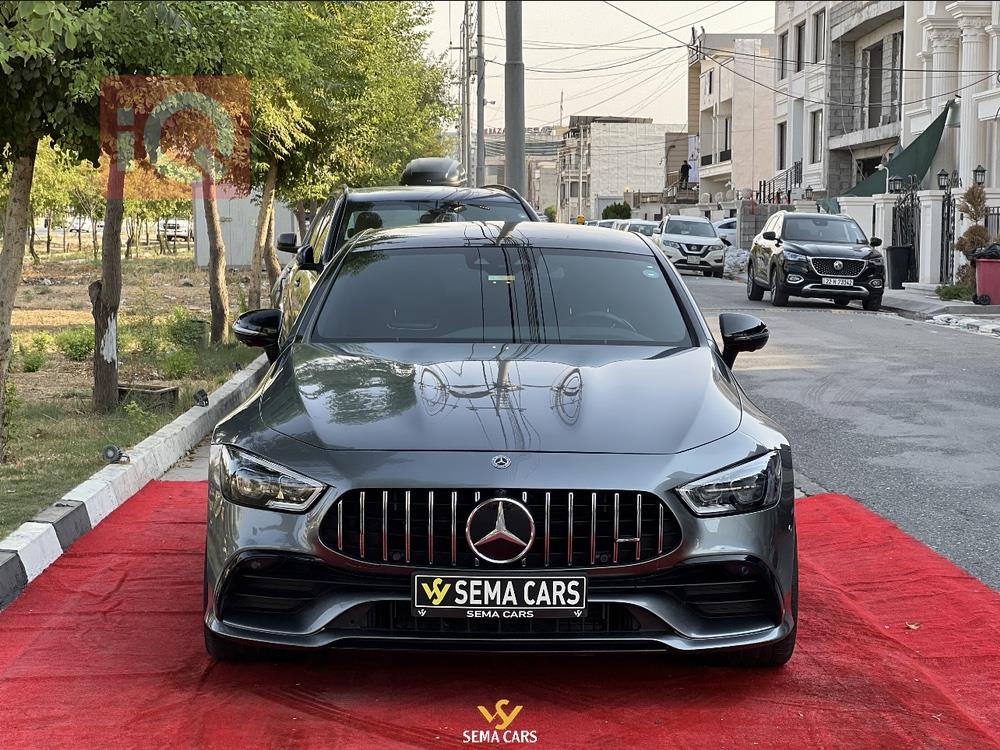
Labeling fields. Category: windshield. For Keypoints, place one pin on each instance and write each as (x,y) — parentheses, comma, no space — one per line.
(646,229)
(821,229)
(689,228)
(401,213)
(501,295)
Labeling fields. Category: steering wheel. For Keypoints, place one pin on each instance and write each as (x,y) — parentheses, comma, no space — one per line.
(604,315)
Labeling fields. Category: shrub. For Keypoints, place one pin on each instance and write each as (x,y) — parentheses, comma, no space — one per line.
(179,364)
(183,329)
(975,237)
(617,211)
(32,360)
(963,288)
(42,342)
(76,343)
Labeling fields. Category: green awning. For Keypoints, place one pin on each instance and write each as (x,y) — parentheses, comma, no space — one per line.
(915,159)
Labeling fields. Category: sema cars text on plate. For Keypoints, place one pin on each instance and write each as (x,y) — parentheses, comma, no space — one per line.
(501,436)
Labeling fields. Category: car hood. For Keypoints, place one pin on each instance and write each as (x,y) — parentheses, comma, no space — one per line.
(827,249)
(556,398)
(687,239)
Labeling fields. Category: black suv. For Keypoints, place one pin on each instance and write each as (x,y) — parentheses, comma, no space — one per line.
(347,215)
(815,255)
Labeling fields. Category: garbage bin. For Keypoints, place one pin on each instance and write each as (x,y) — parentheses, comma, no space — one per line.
(900,259)
(987,282)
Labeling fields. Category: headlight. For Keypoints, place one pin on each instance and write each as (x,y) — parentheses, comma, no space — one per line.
(671,243)
(876,259)
(246,479)
(753,485)
(719,248)
(789,255)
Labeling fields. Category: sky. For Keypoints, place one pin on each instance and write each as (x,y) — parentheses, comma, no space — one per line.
(642,73)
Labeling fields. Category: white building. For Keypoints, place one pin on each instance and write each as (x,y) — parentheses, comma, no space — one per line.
(731,108)
(602,158)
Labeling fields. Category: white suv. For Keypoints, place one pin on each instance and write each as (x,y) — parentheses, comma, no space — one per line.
(692,244)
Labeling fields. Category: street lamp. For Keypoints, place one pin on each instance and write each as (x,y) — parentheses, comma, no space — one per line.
(979,175)
(896,184)
(943,182)
(809,192)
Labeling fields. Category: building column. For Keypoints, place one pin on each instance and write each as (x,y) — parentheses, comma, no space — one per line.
(975,59)
(943,42)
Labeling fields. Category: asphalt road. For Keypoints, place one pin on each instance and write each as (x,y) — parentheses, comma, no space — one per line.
(900,414)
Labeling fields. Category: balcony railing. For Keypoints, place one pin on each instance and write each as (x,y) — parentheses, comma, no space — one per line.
(779,188)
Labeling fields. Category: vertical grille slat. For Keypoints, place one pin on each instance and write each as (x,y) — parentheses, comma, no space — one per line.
(574,528)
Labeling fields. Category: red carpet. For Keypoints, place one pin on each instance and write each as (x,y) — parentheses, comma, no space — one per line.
(104,651)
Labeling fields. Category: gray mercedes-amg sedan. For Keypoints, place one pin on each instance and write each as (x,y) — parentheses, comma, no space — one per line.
(490,436)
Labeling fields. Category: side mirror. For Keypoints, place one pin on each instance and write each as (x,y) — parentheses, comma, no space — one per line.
(306,258)
(726,242)
(769,236)
(259,328)
(288,242)
(740,333)
(875,241)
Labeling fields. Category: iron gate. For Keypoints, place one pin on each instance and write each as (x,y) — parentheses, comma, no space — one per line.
(947,238)
(906,228)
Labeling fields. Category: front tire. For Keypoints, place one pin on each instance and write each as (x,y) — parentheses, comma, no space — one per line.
(717,273)
(779,297)
(872,304)
(755,292)
(706,272)
(841,301)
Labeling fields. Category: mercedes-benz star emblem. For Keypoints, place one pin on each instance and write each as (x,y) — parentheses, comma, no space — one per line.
(501,462)
(500,530)
(838,265)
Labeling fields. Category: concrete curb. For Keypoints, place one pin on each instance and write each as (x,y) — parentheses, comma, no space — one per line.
(976,325)
(36,544)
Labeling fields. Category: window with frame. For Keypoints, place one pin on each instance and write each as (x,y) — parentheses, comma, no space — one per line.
(819,36)
(816,136)
(781,133)
(800,47)
(782,55)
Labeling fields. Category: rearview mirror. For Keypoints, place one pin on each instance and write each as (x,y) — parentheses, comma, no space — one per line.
(259,328)
(741,333)
(769,236)
(875,241)
(288,242)
(726,242)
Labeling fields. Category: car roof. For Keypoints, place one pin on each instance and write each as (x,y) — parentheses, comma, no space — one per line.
(423,192)
(816,215)
(484,233)
(641,221)
(683,217)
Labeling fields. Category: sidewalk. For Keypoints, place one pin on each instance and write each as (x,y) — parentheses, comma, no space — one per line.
(919,301)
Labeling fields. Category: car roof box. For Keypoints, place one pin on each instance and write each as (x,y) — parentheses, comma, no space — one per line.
(433,170)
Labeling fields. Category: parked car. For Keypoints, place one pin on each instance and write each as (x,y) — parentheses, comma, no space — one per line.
(354,211)
(174,229)
(607,223)
(691,243)
(815,255)
(641,226)
(726,229)
(488,436)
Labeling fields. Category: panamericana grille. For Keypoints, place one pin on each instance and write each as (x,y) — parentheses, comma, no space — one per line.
(573,528)
(824,266)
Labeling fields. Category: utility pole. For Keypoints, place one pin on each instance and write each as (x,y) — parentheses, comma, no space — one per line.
(579,190)
(514,99)
(480,95)
(462,92)
(466,79)
(560,107)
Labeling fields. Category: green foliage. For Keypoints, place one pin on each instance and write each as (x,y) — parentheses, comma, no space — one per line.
(32,360)
(42,342)
(179,364)
(550,213)
(963,288)
(184,330)
(617,211)
(76,343)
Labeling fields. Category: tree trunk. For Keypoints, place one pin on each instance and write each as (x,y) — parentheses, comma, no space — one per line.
(105,298)
(31,243)
(300,218)
(48,234)
(260,238)
(217,292)
(64,240)
(93,234)
(79,241)
(270,254)
(11,262)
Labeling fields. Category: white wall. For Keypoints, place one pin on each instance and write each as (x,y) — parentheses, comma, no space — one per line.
(238,218)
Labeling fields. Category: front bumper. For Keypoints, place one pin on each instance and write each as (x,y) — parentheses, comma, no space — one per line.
(270,579)
(800,279)
(710,261)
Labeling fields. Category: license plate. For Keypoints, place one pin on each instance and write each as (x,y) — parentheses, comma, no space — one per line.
(694,259)
(502,597)
(837,282)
